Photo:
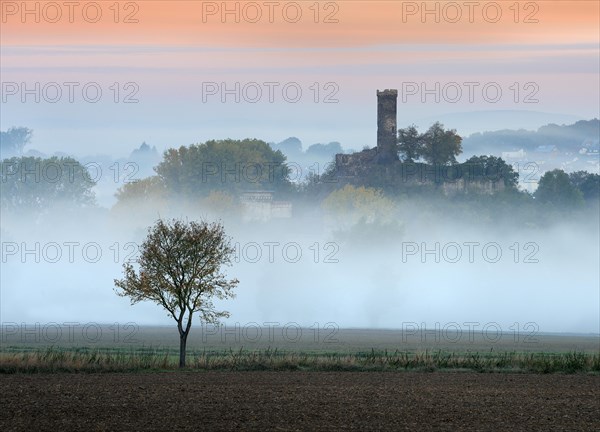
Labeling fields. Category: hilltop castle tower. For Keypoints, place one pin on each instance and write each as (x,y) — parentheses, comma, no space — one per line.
(386,125)
(381,164)
(385,153)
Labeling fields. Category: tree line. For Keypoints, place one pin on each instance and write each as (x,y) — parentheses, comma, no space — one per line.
(217,171)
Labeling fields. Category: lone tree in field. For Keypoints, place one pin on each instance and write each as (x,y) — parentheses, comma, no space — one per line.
(180,269)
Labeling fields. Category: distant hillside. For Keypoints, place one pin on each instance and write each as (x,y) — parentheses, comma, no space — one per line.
(566,138)
(316,157)
(467,123)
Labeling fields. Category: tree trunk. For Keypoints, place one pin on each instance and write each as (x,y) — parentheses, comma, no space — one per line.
(182,344)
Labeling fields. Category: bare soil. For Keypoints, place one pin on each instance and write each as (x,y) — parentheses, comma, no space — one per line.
(299,401)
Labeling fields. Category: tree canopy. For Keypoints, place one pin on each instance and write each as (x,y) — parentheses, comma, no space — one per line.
(180,270)
(346,206)
(440,146)
(32,183)
(437,146)
(224,165)
(410,143)
(587,183)
(491,168)
(556,189)
(13,140)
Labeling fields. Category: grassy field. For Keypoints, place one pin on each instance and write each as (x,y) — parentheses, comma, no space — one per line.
(118,348)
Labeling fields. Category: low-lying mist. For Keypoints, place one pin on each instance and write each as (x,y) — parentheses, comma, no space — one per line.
(424,264)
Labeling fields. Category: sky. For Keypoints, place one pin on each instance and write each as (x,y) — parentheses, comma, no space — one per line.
(96,78)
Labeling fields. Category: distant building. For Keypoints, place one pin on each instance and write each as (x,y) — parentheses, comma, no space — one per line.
(385,153)
(548,149)
(259,206)
(589,152)
(514,155)
(591,143)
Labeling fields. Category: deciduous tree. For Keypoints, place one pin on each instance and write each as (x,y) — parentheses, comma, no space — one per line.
(555,188)
(410,143)
(179,268)
(440,146)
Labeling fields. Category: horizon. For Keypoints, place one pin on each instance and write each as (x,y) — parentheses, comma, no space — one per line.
(305,144)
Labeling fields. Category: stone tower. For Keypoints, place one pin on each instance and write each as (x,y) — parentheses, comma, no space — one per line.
(386,125)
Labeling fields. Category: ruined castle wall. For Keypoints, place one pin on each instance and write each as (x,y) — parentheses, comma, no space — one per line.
(380,165)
